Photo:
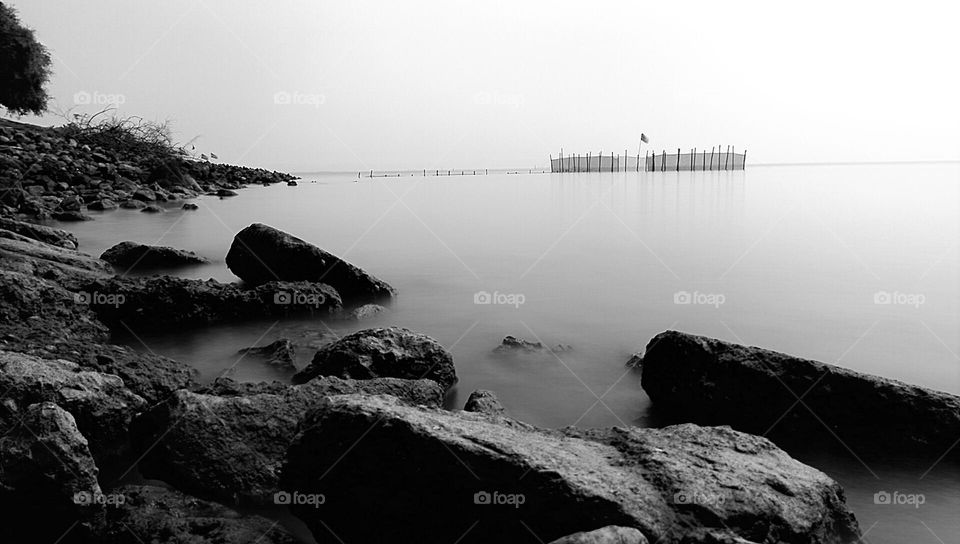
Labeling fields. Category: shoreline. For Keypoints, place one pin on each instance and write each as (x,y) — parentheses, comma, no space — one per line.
(39,261)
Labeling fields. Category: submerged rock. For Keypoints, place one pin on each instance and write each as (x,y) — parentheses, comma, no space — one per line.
(102,204)
(155,514)
(261,253)
(45,466)
(166,302)
(142,256)
(511,482)
(392,352)
(635,362)
(190,206)
(367,311)
(133,205)
(229,444)
(280,353)
(713,382)
(484,402)
(512,344)
(100,404)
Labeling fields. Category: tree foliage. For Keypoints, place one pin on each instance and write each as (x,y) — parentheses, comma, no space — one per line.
(24,66)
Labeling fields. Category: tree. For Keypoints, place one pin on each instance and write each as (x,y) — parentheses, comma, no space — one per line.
(24,66)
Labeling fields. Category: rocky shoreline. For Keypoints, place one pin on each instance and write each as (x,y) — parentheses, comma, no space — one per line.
(357,443)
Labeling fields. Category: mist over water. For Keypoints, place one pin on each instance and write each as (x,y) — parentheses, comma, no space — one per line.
(852,265)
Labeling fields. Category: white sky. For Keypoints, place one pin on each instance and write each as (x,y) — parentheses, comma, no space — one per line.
(451,84)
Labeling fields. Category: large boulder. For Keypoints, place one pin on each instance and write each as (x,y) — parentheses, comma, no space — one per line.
(712,382)
(101,405)
(45,466)
(229,444)
(261,253)
(155,514)
(166,302)
(489,479)
(392,352)
(41,233)
(605,535)
(131,255)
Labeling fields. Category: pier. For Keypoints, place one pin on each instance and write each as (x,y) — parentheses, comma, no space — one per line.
(716,158)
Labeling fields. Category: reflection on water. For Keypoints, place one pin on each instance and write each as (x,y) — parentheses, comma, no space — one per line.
(824,262)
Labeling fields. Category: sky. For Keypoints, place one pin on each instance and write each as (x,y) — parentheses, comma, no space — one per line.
(306,85)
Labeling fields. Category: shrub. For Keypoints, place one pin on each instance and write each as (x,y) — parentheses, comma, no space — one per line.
(24,65)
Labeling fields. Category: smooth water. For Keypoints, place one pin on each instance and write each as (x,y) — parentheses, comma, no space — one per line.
(852,265)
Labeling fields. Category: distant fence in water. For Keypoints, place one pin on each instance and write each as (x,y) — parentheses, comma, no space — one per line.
(662,162)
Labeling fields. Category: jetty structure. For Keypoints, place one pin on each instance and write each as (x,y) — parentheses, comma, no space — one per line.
(717,158)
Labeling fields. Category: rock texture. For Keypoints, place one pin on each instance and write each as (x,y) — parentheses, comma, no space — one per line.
(484,402)
(166,302)
(228,445)
(279,354)
(679,484)
(711,382)
(605,535)
(133,256)
(512,345)
(392,352)
(100,404)
(45,467)
(261,253)
(155,514)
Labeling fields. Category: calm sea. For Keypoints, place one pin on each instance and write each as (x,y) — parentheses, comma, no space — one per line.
(855,265)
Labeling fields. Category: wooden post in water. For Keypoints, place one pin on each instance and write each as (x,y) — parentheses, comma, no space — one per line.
(711,158)
(588,161)
(726,156)
(678,159)
(733,154)
(611,161)
(744,160)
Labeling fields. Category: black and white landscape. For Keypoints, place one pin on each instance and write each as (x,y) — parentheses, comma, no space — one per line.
(473,272)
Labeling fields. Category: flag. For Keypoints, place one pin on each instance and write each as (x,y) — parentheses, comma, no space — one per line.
(643,138)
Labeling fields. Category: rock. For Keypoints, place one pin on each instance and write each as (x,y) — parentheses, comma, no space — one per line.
(280,353)
(366,311)
(484,402)
(291,183)
(606,535)
(133,205)
(155,514)
(694,378)
(231,447)
(392,352)
(169,175)
(131,254)
(261,253)
(45,466)
(70,204)
(49,235)
(102,205)
(190,206)
(635,361)
(152,208)
(71,216)
(22,254)
(144,195)
(166,302)
(225,192)
(514,345)
(101,405)
(685,483)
